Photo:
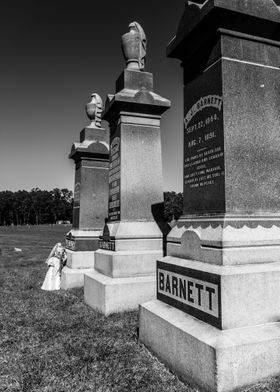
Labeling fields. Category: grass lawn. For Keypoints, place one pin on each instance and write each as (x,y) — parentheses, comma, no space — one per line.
(51,341)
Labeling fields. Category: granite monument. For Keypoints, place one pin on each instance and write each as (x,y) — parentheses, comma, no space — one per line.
(216,318)
(91,157)
(131,240)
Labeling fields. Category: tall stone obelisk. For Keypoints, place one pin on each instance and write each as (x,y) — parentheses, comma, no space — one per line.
(91,157)
(131,241)
(216,320)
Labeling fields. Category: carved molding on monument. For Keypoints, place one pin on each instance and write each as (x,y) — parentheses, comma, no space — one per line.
(223,236)
(225,246)
(228,220)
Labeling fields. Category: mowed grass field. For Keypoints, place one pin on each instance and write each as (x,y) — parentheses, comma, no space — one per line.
(52,341)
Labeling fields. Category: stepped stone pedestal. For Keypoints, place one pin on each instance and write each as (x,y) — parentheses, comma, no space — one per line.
(90,209)
(131,241)
(216,320)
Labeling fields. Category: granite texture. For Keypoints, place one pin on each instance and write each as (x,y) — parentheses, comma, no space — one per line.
(216,320)
(205,357)
(127,273)
(134,115)
(134,94)
(91,208)
(251,138)
(248,295)
(243,71)
(247,132)
(255,17)
(113,295)
(118,264)
(73,278)
(91,158)
(135,81)
(83,240)
(141,184)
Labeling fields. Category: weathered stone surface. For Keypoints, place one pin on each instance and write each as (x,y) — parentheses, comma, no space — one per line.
(113,295)
(91,157)
(240,296)
(134,45)
(231,125)
(131,240)
(218,297)
(216,361)
(73,278)
(258,18)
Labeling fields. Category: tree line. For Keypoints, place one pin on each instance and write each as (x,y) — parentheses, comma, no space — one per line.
(38,206)
(35,207)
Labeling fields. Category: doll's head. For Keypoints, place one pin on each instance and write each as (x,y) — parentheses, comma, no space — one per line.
(59,250)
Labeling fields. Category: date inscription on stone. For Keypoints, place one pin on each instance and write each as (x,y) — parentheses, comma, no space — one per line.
(77,193)
(114,181)
(194,292)
(204,144)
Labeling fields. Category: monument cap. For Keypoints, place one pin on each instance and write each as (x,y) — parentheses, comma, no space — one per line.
(202,20)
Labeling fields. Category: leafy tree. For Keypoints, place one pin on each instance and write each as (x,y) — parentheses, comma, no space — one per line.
(173,205)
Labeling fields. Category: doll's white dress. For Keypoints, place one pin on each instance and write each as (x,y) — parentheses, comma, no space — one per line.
(52,278)
(55,262)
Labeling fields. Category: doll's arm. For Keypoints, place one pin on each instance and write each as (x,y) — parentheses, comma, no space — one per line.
(50,262)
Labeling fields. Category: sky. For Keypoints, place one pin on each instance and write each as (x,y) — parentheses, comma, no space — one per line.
(54,55)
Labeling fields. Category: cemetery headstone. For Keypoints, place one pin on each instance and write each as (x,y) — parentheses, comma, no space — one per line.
(91,157)
(216,318)
(131,241)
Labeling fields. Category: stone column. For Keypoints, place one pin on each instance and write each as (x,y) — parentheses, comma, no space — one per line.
(91,157)
(222,273)
(131,241)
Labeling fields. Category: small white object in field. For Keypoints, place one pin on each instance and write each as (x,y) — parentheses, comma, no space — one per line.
(18,250)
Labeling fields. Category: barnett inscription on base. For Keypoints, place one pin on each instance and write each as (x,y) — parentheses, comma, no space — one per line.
(107,245)
(70,244)
(194,292)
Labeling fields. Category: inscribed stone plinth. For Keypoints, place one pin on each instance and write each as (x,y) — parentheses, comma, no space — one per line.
(222,268)
(131,241)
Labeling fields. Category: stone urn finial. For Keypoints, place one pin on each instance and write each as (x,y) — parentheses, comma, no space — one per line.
(94,110)
(134,45)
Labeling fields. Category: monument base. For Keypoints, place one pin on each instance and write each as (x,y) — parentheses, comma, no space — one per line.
(127,264)
(202,355)
(78,263)
(112,295)
(82,240)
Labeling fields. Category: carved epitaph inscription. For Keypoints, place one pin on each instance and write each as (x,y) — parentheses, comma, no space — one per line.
(194,292)
(77,194)
(114,181)
(203,144)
